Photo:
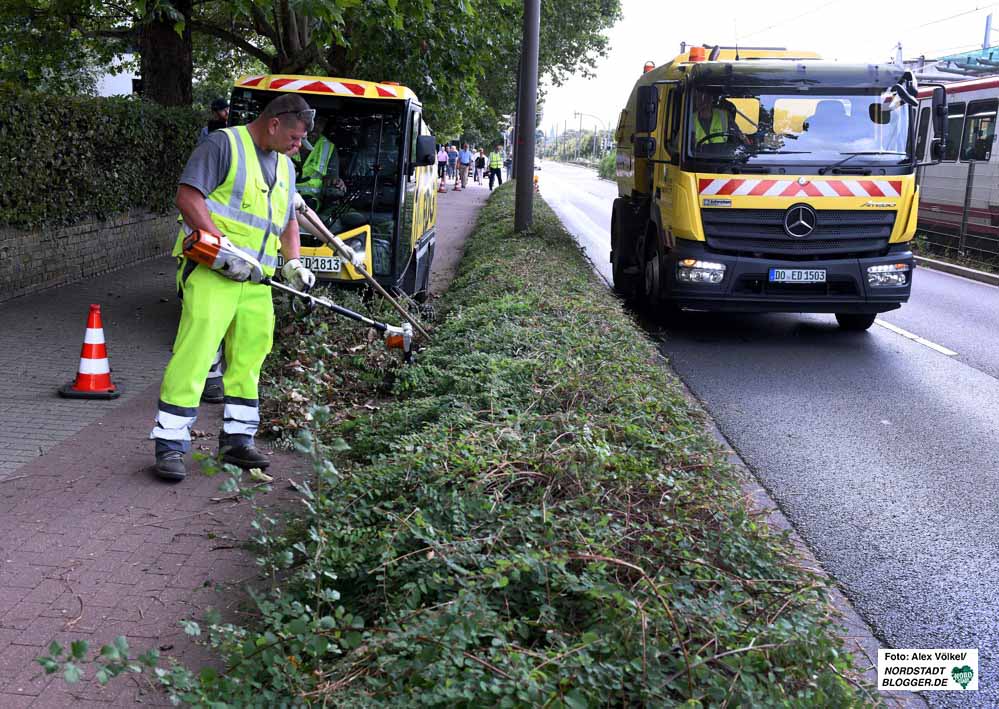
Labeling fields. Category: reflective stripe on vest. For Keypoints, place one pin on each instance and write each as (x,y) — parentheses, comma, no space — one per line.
(719,124)
(495,160)
(244,207)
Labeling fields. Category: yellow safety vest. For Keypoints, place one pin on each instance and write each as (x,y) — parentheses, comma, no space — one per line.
(315,168)
(244,207)
(495,160)
(719,124)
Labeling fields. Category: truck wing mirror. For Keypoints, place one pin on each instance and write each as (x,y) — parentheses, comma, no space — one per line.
(426,151)
(647,108)
(645,147)
(939,111)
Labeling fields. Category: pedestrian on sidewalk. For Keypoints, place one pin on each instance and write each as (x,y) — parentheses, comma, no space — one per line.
(219,119)
(480,166)
(441,162)
(230,301)
(452,163)
(496,166)
(464,164)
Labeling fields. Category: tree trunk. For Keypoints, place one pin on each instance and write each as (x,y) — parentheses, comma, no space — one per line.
(166,60)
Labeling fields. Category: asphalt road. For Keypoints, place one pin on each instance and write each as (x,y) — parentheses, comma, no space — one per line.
(883,451)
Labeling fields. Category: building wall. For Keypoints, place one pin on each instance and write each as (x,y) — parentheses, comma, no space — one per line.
(34,259)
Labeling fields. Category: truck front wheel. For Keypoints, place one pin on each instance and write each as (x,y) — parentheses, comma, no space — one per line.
(653,272)
(855,322)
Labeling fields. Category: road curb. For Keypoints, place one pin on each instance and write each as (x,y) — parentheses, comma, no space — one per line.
(991,279)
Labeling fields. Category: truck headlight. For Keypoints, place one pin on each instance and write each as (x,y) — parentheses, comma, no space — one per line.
(690,270)
(888,274)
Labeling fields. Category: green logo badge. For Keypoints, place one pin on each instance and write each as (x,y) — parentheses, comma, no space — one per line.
(962,675)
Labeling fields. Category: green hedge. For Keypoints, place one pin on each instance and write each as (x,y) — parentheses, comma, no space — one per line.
(67,159)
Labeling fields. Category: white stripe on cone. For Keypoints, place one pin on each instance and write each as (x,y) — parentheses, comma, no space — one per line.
(94,366)
(93,336)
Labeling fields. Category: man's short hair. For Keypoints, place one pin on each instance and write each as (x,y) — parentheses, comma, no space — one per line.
(285,108)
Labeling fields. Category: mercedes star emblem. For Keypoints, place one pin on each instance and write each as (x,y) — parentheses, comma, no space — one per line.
(799,221)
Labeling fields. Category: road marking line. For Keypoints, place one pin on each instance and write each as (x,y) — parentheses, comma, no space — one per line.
(916,338)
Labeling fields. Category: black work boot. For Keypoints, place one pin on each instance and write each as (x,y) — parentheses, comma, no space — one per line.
(170,466)
(213,393)
(245,456)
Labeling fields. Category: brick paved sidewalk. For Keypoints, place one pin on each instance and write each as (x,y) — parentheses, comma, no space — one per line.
(91,545)
(40,351)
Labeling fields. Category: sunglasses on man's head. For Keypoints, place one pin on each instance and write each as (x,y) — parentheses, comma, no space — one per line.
(308,116)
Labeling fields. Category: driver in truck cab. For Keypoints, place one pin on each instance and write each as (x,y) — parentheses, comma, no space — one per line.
(715,121)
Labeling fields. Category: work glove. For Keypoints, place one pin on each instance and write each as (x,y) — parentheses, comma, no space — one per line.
(357,259)
(238,269)
(298,276)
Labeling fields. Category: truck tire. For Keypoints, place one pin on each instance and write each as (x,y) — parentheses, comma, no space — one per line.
(655,301)
(653,272)
(624,270)
(855,322)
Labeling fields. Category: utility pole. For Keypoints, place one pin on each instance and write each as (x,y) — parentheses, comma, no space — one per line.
(523,215)
(580,140)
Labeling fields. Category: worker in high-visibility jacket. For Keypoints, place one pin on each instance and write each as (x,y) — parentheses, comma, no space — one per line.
(321,169)
(496,166)
(238,183)
(713,124)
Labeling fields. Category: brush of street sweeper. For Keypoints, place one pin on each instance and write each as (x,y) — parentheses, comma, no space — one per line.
(220,254)
(308,218)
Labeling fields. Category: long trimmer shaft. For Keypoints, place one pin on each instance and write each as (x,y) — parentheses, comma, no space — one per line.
(395,337)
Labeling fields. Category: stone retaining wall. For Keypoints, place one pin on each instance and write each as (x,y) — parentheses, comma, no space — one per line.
(31,260)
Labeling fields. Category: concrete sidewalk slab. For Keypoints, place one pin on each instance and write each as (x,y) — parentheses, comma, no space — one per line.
(92,546)
(456,215)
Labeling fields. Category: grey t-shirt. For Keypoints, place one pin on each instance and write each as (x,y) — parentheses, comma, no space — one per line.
(209,164)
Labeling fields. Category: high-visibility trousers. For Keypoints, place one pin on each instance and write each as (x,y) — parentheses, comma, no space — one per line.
(215,307)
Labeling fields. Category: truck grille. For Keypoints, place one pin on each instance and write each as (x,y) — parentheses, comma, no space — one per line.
(760,232)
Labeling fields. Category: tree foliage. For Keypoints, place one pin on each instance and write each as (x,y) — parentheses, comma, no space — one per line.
(461,58)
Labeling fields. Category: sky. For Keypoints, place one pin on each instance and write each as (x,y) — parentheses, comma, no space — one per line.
(841,30)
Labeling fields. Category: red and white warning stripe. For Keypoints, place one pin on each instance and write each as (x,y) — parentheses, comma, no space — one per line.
(342,88)
(792,188)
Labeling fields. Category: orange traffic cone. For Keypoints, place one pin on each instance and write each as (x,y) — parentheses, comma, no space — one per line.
(93,380)
(440,186)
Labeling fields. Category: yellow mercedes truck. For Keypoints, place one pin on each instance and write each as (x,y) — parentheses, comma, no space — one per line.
(377,187)
(767,180)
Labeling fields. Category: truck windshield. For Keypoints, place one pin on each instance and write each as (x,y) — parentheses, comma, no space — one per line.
(767,127)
